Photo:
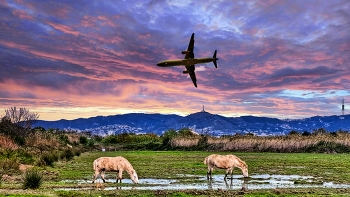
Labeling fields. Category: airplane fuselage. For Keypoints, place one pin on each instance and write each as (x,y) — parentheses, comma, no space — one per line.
(185,62)
(189,61)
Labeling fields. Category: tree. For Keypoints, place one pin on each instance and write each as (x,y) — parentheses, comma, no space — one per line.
(319,131)
(294,132)
(21,117)
(17,123)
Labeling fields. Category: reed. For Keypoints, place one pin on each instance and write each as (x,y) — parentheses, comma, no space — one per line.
(184,141)
(319,142)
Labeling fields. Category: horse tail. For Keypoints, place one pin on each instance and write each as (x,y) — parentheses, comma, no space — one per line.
(95,164)
(206,161)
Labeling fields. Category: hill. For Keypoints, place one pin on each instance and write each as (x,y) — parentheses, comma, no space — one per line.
(201,122)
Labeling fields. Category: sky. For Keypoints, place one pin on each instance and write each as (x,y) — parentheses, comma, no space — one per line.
(78,59)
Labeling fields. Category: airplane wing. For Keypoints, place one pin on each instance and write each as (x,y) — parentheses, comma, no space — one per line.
(190,54)
(190,70)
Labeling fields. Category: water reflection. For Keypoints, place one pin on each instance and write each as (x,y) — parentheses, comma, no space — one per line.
(257,181)
(230,183)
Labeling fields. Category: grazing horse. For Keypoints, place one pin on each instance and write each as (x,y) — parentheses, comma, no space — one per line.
(227,162)
(114,164)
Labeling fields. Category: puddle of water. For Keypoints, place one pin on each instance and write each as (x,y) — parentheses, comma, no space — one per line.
(257,181)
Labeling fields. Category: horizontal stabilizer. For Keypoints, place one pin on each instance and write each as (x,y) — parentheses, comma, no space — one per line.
(214,61)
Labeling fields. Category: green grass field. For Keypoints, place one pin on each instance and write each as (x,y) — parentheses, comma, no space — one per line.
(171,164)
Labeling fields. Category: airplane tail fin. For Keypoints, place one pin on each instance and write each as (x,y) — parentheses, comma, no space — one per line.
(214,57)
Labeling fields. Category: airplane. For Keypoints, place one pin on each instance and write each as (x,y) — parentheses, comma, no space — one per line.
(189,61)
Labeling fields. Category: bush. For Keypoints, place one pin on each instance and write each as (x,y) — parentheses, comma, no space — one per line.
(90,143)
(67,154)
(97,138)
(49,158)
(63,138)
(9,166)
(83,140)
(327,147)
(185,132)
(32,179)
(167,136)
(306,133)
(77,152)
(293,133)
(21,155)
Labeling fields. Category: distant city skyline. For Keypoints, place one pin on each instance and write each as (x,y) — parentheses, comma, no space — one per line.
(70,59)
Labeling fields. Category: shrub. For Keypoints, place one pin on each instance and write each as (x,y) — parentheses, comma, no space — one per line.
(319,131)
(293,132)
(20,155)
(90,143)
(83,140)
(77,152)
(167,136)
(67,154)
(185,132)
(32,179)
(9,166)
(49,158)
(327,147)
(19,140)
(97,138)
(63,138)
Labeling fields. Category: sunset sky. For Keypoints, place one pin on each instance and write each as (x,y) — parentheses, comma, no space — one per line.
(70,59)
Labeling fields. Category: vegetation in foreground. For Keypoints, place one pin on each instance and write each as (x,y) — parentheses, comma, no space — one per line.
(173,164)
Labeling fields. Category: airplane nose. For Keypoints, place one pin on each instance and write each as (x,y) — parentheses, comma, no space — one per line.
(161,64)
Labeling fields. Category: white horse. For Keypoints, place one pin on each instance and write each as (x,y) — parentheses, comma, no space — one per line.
(227,162)
(114,164)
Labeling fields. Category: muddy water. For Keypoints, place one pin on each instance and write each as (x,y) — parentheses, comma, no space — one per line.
(258,181)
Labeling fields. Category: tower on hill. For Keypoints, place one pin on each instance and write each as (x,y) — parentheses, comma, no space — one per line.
(343,107)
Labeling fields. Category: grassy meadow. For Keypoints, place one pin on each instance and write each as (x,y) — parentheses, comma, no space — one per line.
(171,164)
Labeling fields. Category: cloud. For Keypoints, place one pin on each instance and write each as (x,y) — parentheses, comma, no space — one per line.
(103,56)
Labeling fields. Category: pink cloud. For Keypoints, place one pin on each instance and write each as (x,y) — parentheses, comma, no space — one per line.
(63,28)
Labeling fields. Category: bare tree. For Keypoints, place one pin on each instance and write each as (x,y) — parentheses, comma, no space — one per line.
(22,117)
(17,122)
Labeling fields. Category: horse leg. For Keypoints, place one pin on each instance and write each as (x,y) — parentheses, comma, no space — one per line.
(117,175)
(95,176)
(120,174)
(208,173)
(226,173)
(210,169)
(103,176)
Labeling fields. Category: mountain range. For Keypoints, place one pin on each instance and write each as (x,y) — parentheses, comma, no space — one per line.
(201,122)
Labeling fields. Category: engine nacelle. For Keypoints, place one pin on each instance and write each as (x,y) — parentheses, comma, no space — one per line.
(185,52)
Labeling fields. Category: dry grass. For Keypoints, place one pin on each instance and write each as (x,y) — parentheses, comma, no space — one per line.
(290,143)
(42,142)
(185,142)
(73,137)
(7,143)
(23,167)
